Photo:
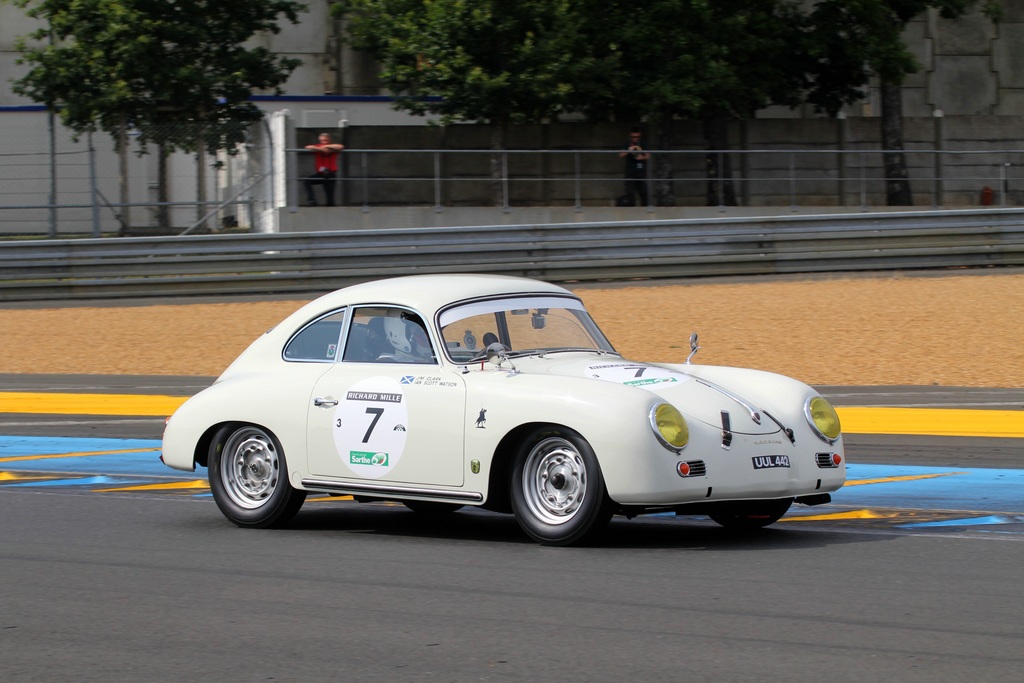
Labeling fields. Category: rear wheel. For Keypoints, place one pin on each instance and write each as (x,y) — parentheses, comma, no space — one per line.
(249,478)
(751,514)
(558,492)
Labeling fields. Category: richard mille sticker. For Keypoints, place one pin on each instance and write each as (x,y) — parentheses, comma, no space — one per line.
(634,374)
(370,426)
(763,462)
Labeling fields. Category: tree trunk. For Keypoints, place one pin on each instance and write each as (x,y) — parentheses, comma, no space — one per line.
(897,181)
(498,163)
(664,172)
(125,213)
(720,191)
(162,188)
(201,179)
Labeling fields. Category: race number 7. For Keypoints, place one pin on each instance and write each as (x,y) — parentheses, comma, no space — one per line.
(376,412)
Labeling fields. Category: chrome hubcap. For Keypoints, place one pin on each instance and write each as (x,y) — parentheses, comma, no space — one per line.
(251,469)
(554,481)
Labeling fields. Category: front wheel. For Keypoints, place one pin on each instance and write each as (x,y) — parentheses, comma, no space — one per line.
(558,492)
(753,514)
(249,478)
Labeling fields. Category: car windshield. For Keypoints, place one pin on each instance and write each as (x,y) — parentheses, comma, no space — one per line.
(523,325)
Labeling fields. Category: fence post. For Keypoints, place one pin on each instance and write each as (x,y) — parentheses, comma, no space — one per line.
(437,183)
(937,198)
(364,163)
(504,183)
(93,190)
(1003,184)
(841,156)
(863,186)
(577,189)
(792,181)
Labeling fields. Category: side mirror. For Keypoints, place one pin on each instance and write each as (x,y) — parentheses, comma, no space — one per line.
(497,351)
(497,355)
(694,347)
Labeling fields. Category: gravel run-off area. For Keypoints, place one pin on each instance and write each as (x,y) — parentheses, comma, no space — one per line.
(950,328)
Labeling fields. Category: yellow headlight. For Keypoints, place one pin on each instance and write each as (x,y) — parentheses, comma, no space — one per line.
(823,418)
(670,426)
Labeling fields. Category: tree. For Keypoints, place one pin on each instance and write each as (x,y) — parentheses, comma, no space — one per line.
(853,40)
(491,61)
(177,71)
(702,60)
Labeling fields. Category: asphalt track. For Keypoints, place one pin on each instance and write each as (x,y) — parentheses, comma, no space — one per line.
(117,568)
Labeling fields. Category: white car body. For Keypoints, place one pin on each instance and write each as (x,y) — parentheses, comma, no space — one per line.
(455,428)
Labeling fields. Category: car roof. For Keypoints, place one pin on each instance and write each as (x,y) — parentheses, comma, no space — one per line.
(428,293)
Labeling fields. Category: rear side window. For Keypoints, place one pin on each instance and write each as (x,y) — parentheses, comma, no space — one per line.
(318,341)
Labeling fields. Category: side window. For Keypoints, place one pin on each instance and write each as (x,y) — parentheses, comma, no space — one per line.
(317,341)
(387,335)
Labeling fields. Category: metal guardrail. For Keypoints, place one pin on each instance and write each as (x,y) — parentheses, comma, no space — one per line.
(321,261)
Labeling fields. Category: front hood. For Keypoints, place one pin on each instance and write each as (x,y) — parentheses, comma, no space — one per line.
(695,397)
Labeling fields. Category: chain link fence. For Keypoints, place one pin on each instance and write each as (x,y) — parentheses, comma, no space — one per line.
(55,184)
(58,184)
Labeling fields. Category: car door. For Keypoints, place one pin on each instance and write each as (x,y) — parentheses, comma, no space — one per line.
(389,411)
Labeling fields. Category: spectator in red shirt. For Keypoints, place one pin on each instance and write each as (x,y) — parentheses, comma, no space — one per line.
(325,168)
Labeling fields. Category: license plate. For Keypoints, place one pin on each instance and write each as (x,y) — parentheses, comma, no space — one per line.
(763,462)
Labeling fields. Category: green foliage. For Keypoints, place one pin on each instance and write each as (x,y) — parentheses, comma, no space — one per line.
(479,60)
(472,60)
(104,64)
(852,40)
(694,59)
(522,61)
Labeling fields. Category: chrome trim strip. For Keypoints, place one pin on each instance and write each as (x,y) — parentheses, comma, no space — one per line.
(785,430)
(404,491)
(754,414)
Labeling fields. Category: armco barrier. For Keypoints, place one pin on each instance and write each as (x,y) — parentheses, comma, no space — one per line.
(321,261)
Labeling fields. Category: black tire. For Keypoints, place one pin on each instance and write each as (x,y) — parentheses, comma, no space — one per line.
(754,514)
(429,507)
(558,492)
(249,478)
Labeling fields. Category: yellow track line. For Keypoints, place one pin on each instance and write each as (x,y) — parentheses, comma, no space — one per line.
(906,477)
(832,516)
(932,421)
(192,484)
(854,419)
(81,454)
(89,404)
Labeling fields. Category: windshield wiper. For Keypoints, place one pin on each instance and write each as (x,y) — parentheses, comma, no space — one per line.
(544,352)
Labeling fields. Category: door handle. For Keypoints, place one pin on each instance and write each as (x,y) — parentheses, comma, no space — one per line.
(325,402)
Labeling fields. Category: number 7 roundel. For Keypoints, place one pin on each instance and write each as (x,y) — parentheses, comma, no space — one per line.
(370,426)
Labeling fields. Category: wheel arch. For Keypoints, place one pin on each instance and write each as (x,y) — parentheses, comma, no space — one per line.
(500,477)
(499,497)
(218,432)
